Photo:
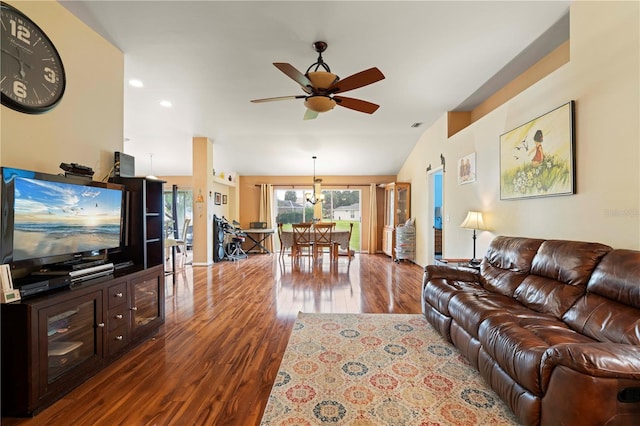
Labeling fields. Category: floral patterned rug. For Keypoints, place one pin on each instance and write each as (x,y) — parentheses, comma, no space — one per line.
(377,369)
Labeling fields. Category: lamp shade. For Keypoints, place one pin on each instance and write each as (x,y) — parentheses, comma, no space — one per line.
(319,103)
(473,221)
(322,79)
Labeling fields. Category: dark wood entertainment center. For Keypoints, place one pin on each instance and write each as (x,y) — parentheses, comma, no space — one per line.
(54,341)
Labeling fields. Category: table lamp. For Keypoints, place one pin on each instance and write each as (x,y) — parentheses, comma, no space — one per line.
(473,221)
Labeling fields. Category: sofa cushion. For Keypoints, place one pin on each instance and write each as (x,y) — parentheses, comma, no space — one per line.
(470,309)
(507,262)
(610,311)
(617,277)
(517,343)
(559,274)
(439,292)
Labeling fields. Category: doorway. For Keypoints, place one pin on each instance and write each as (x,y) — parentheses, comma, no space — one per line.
(436,207)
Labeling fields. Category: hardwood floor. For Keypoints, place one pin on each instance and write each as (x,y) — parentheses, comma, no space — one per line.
(227,326)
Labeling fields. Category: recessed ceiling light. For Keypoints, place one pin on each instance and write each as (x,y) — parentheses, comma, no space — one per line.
(166,104)
(135,83)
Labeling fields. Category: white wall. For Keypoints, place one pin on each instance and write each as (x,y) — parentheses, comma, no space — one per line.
(87,126)
(602,76)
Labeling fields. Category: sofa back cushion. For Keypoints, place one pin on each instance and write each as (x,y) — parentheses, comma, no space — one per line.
(559,275)
(507,262)
(610,311)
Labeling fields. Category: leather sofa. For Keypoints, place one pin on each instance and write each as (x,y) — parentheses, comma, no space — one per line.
(552,326)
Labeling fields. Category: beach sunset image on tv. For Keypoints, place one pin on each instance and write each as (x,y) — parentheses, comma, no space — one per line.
(53,218)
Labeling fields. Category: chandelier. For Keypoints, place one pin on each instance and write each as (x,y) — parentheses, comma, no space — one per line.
(316,196)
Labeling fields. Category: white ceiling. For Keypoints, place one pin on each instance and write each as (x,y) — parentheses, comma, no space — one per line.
(210,58)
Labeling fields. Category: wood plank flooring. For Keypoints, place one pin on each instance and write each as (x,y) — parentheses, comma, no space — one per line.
(227,326)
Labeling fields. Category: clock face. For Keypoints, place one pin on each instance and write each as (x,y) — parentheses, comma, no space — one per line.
(33,79)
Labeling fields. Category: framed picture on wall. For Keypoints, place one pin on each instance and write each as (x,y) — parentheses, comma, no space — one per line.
(224,199)
(467,169)
(537,159)
(217,198)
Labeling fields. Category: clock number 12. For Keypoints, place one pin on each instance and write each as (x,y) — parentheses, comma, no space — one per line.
(20,32)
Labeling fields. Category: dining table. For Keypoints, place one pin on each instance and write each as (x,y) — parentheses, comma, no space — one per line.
(340,237)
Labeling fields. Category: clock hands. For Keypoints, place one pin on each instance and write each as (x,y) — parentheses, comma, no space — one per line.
(18,58)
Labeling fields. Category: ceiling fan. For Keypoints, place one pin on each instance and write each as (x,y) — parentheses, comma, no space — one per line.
(321,86)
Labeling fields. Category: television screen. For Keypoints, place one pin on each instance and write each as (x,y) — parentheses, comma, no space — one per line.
(55,220)
(52,218)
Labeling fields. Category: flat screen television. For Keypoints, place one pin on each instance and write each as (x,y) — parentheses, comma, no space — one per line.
(50,219)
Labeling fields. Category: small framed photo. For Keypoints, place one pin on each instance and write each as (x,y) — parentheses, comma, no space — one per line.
(217,197)
(467,169)
(224,199)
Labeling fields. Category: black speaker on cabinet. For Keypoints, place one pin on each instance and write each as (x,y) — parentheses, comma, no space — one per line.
(218,239)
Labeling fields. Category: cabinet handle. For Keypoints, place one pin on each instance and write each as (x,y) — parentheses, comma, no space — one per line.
(134,308)
(119,337)
(118,294)
(100,324)
(119,316)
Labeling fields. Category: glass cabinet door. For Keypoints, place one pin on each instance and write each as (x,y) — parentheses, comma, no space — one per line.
(389,202)
(145,302)
(73,340)
(402,204)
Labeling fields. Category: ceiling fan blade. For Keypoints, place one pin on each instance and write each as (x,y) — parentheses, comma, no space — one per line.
(363,78)
(356,104)
(279,98)
(310,115)
(295,75)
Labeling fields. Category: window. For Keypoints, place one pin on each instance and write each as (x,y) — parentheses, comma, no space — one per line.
(292,207)
(343,208)
(184,210)
(339,206)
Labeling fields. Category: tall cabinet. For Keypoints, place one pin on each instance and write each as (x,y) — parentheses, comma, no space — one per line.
(52,342)
(145,225)
(397,209)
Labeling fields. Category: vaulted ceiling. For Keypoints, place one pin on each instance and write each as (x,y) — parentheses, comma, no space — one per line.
(210,58)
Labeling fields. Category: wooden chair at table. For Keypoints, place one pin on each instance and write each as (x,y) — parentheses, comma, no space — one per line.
(323,232)
(283,246)
(349,241)
(302,238)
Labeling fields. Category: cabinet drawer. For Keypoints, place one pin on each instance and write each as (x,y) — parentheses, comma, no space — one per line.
(117,294)
(117,339)
(118,317)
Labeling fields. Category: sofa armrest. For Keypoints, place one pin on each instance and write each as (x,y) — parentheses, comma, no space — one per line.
(450,273)
(599,359)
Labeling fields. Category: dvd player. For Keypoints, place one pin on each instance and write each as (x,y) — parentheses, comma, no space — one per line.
(41,283)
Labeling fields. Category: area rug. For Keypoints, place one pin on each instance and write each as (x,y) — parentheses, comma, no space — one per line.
(377,369)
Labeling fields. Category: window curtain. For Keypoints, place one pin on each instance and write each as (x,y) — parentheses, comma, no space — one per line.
(266,211)
(373,219)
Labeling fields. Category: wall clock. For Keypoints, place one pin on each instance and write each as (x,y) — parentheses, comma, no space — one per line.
(33,79)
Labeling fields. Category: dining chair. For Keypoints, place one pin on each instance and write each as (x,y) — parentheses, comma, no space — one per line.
(323,237)
(302,239)
(283,247)
(349,241)
(180,242)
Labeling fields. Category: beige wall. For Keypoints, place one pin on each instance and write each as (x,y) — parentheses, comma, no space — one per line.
(250,196)
(87,126)
(603,78)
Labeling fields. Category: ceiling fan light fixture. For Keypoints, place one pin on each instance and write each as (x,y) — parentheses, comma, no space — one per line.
(319,103)
(322,79)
